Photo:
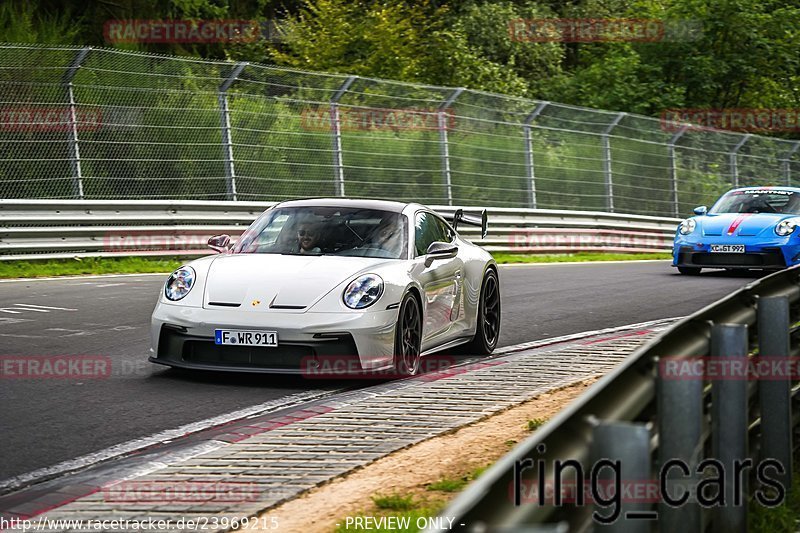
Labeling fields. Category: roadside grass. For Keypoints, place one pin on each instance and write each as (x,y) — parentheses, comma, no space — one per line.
(143,265)
(536,423)
(780,519)
(581,257)
(87,265)
(456,484)
(407,511)
(394,502)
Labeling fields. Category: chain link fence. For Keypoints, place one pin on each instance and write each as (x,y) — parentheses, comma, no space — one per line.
(96,123)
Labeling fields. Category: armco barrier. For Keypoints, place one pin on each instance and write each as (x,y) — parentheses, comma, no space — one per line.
(695,396)
(83,228)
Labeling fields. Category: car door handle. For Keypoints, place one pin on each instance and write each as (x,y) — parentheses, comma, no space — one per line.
(458,274)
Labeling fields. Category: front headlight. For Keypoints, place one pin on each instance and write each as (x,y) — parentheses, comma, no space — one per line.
(786,227)
(363,291)
(179,283)
(687,226)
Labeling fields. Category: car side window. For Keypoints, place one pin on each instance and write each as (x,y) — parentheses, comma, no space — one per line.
(448,231)
(429,228)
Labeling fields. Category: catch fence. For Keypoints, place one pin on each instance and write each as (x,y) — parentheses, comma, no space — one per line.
(101,123)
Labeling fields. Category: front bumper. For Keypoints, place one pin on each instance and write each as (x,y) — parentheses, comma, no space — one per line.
(774,255)
(184,337)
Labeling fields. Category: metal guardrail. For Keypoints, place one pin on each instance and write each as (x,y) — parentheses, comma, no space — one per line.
(644,416)
(49,229)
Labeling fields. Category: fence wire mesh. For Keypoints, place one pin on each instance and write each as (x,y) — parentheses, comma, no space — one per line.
(95,123)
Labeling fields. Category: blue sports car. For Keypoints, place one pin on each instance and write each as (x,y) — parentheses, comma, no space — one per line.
(747,228)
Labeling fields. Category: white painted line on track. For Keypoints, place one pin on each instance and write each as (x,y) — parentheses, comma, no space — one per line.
(87,276)
(575,336)
(45,308)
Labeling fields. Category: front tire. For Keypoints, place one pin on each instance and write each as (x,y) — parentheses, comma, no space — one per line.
(488,330)
(689,271)
(408,337)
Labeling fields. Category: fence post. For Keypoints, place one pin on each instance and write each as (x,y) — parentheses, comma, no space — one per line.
(680,428)
(729,424)
(629,446)
(787,161)
(733,162)
(225,121)
(336,131)
(774,392)
(72,130)
(673,169)
(607,161)
(529,153)
(443,143)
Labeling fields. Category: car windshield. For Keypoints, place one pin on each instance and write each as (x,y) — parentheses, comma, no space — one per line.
(327,231)
(758,201)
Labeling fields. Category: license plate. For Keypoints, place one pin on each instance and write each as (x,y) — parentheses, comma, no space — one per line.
(245,337)
(727,248)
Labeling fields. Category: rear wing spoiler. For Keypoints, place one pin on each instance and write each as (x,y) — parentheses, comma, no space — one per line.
(481,220)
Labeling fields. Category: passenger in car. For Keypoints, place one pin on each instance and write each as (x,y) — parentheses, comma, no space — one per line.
(387,236)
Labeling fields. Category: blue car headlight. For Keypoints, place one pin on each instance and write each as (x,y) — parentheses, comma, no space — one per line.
(786,227)
(179,283)
(363,291)
(687,226)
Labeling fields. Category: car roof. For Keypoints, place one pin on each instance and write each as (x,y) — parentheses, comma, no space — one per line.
(382,205)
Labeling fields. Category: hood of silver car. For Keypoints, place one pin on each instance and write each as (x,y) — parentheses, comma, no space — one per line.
(264,282)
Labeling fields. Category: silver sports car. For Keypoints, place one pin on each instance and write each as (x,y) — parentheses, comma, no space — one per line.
(371,285)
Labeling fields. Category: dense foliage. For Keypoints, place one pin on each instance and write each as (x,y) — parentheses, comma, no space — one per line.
(745,54)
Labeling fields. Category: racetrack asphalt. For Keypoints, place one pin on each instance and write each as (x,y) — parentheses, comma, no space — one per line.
(45,421)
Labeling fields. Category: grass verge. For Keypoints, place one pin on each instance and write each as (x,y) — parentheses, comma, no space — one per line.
(577,257)
(88,265)
(143,265)
(780,519)
(407,513)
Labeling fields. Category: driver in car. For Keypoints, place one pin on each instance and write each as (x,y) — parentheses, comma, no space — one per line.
(307,238)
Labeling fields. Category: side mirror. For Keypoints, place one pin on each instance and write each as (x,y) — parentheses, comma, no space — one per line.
(440,250)
(220,243)
(700,211)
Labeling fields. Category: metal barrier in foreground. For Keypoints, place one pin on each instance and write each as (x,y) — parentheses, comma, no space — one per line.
(50,229)
(690,431)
